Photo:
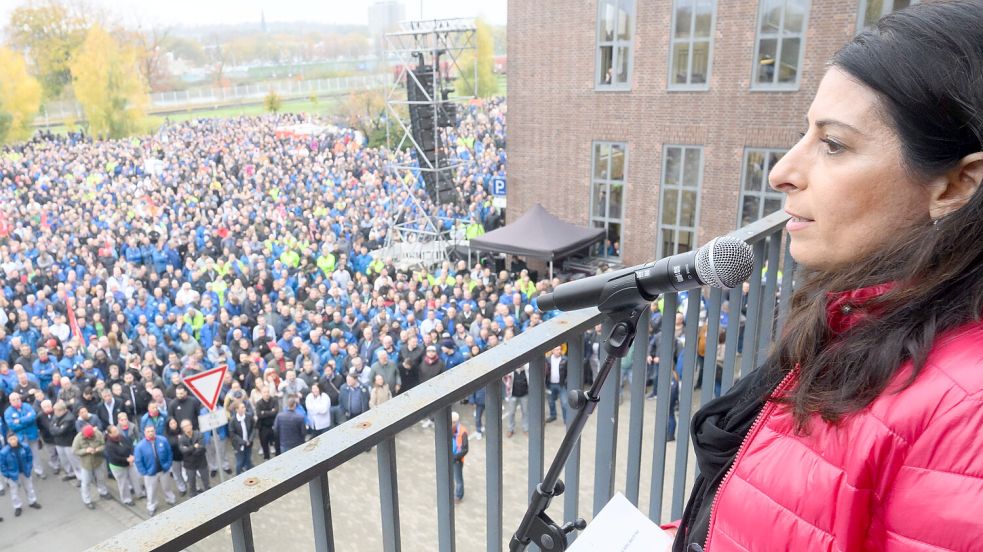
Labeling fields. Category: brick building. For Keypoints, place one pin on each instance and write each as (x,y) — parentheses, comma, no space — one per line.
(659,119)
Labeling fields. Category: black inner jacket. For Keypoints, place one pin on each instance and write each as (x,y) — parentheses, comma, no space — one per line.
(718,429)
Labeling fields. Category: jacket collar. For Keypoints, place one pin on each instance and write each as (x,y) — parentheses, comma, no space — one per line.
(846,309)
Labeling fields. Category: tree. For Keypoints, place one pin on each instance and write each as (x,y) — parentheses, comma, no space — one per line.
(272,102)
(109,86)
(362,110)
(150,47)
(50,31)
(20,97)
(487,82)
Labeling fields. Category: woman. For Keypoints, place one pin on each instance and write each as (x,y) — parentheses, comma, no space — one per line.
(173,435)
(862,429)
(380,392)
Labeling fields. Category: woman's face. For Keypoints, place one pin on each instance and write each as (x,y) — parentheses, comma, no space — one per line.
(846,187)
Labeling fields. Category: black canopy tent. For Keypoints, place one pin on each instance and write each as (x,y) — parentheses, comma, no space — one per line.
(538,234)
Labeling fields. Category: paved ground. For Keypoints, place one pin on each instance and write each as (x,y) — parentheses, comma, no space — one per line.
(64,524)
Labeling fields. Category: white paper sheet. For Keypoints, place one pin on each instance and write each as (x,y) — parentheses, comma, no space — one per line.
(620,527)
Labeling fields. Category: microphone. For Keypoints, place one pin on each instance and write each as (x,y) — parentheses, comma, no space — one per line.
(723,263)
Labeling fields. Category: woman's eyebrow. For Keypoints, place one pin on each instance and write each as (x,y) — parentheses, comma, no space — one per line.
(833,122)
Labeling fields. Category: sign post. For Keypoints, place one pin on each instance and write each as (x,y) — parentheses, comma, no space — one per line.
(498,191)
(206,386)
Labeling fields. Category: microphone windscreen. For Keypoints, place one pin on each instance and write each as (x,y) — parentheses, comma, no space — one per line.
(725,262)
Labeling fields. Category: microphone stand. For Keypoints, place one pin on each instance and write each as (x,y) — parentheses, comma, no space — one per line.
(537,527)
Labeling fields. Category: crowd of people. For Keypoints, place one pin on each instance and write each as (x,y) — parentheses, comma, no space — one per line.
(129,265)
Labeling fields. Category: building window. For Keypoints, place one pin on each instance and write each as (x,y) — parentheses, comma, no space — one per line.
(872,10)
(615,31)
(679,203)
(607,194)
(758,199)
(692,43)
(779,48)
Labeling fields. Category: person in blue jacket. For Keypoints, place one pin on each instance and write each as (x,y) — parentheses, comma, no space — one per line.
(44,367)
(16,461)
(21,419)
(153,457)
(154,417)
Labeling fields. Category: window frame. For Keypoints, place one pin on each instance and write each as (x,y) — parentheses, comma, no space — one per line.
(670,84)
(764,192)
(659,253)
(779,37)
(632,8)
(863,10)
(607,183)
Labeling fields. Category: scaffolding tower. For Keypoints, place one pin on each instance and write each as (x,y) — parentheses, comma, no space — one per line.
(421,108)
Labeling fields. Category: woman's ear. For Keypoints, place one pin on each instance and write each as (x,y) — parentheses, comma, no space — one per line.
(957,186)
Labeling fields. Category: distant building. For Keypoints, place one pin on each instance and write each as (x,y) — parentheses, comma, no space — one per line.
(384,17)
(659,121)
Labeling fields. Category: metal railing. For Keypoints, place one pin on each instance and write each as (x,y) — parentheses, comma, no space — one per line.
(240,94)
(746,345)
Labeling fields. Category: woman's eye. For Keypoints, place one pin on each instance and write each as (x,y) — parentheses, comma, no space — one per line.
(833,147)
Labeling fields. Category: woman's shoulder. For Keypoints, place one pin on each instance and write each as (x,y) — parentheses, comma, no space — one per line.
(951,378)
(958,356)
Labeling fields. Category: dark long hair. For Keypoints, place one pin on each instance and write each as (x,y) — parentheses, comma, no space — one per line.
(926,65)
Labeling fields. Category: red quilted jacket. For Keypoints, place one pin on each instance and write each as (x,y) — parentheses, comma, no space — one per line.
(905,474)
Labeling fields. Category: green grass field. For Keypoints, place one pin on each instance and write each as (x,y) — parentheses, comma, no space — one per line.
(324,106)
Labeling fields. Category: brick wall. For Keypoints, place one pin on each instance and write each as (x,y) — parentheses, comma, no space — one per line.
(555,113)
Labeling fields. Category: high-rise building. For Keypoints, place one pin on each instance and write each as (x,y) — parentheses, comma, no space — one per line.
(660,120)
(384,17)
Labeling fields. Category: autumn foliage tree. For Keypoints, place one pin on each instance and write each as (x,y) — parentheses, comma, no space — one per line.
(109,85)
(50,31)
(20,97)
(483,56)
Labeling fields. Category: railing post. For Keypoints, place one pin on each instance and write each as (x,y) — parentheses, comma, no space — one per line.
(636,419)
(571,474)
(537,426)
(749,354)
(242,535)
(733,338)
(493,466)
(662,406)
(787,285)
(389,495)
(708,391)
(321,514)
(445,483)
(606,453)
(766,327)
(690,352)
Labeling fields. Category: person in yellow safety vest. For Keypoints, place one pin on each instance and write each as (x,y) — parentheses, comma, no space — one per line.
(290,258)
(326,261)
(525,284)
(223,268)
(375,267)
(196,320)
(219,287)
(474,230)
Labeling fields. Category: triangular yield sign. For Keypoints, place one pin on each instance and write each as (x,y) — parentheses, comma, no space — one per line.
(206,385)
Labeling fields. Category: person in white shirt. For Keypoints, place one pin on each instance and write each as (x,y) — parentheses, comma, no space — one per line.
(557,380)
(318,410)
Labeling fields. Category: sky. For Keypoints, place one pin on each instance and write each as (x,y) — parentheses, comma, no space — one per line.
(216,12)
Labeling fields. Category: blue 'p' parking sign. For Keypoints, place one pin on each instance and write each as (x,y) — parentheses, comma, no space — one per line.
(498,186)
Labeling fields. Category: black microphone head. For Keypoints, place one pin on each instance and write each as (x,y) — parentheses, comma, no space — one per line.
(725,262)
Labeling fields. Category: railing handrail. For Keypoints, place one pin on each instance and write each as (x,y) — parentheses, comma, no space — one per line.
(195,519)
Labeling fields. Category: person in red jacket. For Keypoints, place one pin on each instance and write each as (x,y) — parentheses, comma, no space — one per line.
(861,431)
